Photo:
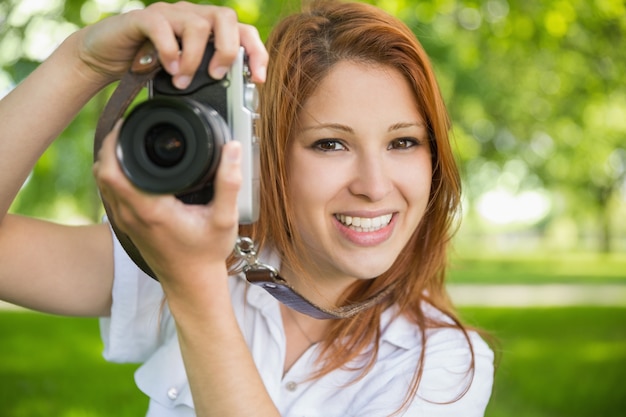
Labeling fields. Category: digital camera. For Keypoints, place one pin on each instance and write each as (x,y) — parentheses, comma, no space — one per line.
(171,143)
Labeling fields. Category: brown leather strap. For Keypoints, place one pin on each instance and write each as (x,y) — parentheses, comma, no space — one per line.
(144,68)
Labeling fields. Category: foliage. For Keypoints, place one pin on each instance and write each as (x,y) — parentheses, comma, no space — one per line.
(536,92)
(534,87)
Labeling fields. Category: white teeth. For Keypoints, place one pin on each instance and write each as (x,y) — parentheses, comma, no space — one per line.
(364,224)
(376,222)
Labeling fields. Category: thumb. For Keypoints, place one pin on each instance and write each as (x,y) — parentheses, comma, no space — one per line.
(227,184)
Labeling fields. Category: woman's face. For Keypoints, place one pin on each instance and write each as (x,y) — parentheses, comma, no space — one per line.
(359,172)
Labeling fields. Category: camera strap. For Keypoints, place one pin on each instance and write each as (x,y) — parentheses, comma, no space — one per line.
(143,69)
(268,278)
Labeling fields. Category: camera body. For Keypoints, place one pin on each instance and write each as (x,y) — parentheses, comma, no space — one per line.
(171,143)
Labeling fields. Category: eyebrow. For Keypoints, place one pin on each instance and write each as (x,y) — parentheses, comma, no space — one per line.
(348,129)
(332,126)
(404,125)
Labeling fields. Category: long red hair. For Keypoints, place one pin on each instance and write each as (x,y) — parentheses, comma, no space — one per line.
(303,48)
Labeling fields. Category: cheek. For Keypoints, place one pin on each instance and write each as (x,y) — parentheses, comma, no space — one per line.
(302,191)
(415,184)
(311,181)
(308,192)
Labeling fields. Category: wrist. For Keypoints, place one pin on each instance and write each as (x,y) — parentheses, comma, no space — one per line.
(91,79)
(197,294)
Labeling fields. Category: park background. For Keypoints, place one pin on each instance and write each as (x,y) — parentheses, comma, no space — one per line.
(536,92)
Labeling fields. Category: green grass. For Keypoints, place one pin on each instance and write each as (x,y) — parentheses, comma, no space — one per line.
(53,367)
(571,268)
(560,362)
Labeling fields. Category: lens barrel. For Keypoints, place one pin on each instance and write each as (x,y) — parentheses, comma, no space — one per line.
(171,145)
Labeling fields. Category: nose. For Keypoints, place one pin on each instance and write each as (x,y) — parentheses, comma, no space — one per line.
(371,178)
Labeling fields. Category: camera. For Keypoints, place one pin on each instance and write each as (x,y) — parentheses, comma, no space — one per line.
(171,143)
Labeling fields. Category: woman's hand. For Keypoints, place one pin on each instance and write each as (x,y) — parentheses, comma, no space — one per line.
(108,47)
(182,243)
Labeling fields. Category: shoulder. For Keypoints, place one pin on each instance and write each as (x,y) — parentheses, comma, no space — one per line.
(457,365)
(398,330)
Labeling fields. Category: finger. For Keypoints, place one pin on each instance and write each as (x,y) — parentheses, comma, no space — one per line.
(155,26)
(255,49)
(226,40)
(193,25)
(227,184)
(106,150)
(180,35)
(194,38)
(109,177)
(105,173)
(131,205)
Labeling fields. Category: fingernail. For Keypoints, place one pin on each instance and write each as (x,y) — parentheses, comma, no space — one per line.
(219,72)
(261,73)
(182,81)
(174,67)
(232,152)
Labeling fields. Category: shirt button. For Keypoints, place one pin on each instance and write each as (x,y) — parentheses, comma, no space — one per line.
(172,393)
(291,386)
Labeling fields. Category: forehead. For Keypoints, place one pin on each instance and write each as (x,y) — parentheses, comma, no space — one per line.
(357,91)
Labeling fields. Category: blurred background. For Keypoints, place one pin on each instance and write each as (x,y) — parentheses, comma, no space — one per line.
(537,95)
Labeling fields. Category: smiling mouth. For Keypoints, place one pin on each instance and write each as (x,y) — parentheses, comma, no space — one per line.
(364,224)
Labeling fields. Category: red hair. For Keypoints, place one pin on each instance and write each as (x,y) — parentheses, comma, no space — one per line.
(303,48)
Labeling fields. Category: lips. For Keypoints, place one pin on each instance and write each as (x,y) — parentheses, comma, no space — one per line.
(364,224)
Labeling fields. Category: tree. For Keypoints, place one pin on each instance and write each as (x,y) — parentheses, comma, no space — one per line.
(536,90)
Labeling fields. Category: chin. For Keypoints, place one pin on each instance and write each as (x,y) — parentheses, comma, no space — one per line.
(367,271)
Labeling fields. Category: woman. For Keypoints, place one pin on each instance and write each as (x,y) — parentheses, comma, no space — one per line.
(359,191)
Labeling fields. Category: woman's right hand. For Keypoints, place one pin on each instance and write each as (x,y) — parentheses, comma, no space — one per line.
(109,46)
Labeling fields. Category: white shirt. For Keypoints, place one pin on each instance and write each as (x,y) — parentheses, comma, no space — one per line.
(141,329)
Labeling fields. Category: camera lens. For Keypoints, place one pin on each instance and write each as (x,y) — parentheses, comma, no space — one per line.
(165,145)
(171,145)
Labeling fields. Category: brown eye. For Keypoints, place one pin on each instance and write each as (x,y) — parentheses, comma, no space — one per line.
(329,145)
(403,143)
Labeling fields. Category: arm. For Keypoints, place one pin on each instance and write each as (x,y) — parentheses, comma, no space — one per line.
(35,112)
(54,268)
(45,266)
(187,246)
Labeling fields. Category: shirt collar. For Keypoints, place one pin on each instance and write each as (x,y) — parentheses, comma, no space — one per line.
(398,330)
